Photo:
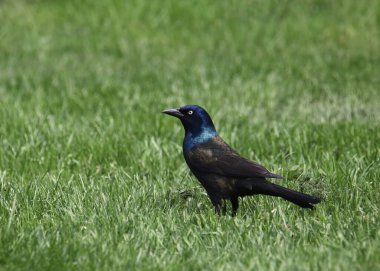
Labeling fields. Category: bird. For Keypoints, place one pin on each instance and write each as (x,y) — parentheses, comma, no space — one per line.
(222,171)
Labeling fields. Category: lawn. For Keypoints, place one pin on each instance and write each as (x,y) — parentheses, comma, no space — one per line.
(92,175)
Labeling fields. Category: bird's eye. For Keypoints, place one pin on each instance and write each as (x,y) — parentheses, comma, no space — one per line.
(190,112)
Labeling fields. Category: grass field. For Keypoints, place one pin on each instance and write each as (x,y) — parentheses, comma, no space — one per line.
(92,175)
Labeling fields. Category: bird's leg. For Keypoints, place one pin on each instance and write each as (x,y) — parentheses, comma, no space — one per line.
(224,209)
(235,205)
(216,203)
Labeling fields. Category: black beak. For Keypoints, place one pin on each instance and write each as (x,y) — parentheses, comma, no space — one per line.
(173,112)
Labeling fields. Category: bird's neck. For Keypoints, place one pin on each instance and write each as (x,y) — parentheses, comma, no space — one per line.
(196,137)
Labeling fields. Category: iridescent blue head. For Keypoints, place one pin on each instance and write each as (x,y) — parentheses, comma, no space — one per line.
(198,125)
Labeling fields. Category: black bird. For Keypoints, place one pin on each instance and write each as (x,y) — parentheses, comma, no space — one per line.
(221,170)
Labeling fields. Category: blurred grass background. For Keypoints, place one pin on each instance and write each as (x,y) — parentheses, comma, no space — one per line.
(92,176)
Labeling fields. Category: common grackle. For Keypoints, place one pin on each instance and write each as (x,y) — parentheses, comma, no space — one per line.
(221,170)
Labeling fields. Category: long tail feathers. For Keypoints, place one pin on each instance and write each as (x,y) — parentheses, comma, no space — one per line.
(301,199)
(266,188)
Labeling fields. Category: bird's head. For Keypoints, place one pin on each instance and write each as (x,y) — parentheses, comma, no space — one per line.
(194,119)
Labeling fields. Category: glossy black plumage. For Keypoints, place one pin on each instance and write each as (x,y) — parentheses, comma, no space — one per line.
(221,170)
(215,156)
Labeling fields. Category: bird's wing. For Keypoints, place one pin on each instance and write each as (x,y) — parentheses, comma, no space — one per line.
(215,156)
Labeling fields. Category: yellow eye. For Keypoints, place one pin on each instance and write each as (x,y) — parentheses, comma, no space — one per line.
(190,112)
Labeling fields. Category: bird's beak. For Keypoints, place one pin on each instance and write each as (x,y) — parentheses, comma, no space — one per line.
(173,112)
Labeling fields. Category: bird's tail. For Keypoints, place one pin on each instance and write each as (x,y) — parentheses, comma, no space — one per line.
(301,199)
(266,188)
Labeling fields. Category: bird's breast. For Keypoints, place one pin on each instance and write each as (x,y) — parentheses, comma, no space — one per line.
(222,186)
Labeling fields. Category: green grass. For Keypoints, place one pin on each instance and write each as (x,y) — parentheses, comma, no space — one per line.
(92,175)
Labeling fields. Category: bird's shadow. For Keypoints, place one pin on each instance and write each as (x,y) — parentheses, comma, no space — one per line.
(187,198)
